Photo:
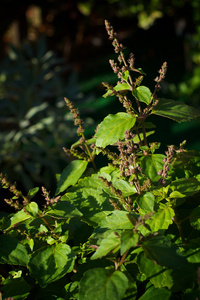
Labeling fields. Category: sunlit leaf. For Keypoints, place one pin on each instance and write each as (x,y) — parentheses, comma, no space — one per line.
(112,129)
(71,174)
(142,94)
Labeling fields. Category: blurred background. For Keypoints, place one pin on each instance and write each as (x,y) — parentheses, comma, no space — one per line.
(51,49)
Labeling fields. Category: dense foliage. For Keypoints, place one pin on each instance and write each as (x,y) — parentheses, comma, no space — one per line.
(129,230)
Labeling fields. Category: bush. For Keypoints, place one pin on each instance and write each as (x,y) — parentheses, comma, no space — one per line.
(128,230)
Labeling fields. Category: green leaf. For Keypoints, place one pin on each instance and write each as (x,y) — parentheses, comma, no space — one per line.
(108,244)
(129,239)
(146,202)
(104,284)
(151,164)
(18,218)
(159,276)
(161,219)
(186,186)
(118,219)
(71,175)
(51,263)
(142,94)
(160,250)
(90,199)
(175,110)
(16,288)
(12,252)
(112,128)
(32,209)
(32,192)
(64,209)
(122,87)
(108,93)
(195,218)
(125,75)
(155,293)
(124,187)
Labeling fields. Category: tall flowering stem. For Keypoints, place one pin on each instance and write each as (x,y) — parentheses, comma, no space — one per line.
(80,132)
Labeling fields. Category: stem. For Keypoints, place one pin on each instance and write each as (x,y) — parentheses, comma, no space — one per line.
(178,224)
(131,81)
(89,153)
(122,259)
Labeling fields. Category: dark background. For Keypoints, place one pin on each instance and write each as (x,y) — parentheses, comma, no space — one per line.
(74,31)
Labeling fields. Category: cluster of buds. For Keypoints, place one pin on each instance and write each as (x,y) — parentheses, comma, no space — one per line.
(76,116)
(167,162)
(113,36)
(160,78)
(13,202)
(121,200)
(49,201)
(75,153)
(128,159)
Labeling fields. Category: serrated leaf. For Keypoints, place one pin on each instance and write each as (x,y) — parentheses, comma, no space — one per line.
(71,175)
(122,87)
(90,199)
(175,110)
(151,164)
(163,252)
(112,129)
(51,263)
(104,284)
(111,242)
(129,239)
(155,293)
(146,202)
(64,210)
(161,219)
(12,252)
(142,94)
(118,219)
(158,275)
(186,186)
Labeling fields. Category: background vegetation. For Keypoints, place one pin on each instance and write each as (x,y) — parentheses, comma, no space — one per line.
(51,49)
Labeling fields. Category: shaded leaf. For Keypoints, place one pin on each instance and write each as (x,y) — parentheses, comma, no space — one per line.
(175,110)
(155,293)
(16,288)
(163,252)
(12,252)
(104,284)
(64,209)
(51,263)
